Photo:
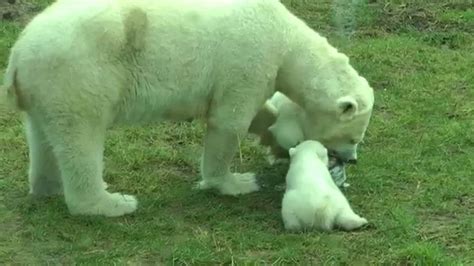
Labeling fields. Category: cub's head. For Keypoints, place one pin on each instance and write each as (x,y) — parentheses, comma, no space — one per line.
(313,147)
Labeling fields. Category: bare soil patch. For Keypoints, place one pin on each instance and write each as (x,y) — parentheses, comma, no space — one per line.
(20,11)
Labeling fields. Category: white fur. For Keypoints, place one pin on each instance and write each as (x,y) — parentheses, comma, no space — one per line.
(82,66)
(312,200)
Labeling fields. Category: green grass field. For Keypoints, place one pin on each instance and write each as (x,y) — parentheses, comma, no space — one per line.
(414,180)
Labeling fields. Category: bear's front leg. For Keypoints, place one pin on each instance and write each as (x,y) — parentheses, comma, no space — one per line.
(220,146)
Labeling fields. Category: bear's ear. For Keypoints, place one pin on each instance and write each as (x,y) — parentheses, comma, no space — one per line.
(292,151)
(347,107)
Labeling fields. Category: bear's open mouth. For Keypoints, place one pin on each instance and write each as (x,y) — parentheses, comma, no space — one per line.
(333,156)
(335,161)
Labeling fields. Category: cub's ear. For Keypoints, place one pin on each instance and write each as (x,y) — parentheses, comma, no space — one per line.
(347,108)
(292,151)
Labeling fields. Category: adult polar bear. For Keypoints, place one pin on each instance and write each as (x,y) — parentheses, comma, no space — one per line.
(81,66)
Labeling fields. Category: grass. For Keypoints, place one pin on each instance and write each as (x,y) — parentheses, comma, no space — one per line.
(413,182)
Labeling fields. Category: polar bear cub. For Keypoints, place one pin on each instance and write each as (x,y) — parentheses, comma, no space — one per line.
(312,199)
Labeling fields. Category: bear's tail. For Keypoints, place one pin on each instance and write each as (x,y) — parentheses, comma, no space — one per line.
(14,97)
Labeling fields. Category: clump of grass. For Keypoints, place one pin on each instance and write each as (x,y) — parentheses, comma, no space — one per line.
(422,253)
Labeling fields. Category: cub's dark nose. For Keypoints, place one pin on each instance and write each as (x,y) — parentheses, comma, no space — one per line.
(352,161)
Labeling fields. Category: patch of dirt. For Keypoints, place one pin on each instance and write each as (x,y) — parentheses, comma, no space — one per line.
(462,5)
(445,228)
(394,17)
(421,16)
(20,11)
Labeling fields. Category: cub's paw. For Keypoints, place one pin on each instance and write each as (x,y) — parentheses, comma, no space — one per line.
(353,222)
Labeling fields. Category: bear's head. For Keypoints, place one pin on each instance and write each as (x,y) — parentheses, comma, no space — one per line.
(337,101)
(339,107)
(340,136)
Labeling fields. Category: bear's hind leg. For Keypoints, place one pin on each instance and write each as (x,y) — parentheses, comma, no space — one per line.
(78,146)
(44,175)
